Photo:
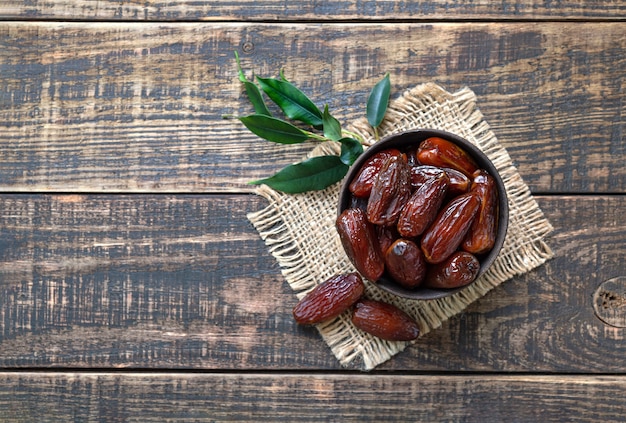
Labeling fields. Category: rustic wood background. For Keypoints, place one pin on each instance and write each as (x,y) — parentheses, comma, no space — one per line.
(133,288)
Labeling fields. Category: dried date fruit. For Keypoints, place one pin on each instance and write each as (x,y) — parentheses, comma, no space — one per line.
(459,183)
(460,269)
(422,173)
(386,235)
(411,157)
(445,234)
(390,191)
(361,185)
(482,234)
(360,243)
(423,206)
(405,263)
(438,152)
(384,321)
(329,299)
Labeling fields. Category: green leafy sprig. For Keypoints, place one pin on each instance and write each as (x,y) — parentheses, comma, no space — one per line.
(304,122)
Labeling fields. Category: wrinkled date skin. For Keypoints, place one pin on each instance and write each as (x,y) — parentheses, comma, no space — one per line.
(460,269)
(458,183)
(360,243)
(423,173)
(361,185)
(384,321)
(482,234)
(405,263)
(329,299)
(447,232)
(438,152)
(423,206)
(390,191)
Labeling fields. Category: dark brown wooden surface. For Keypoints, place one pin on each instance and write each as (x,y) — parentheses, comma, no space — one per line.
(150,98)
(133,287)
(292,397)
(274,10)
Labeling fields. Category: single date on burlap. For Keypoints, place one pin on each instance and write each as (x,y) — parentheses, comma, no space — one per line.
(299,230)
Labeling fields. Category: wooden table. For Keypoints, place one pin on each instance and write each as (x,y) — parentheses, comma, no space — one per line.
(133,287)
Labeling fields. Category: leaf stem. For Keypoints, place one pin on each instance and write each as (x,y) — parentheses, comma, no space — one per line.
(315,136)
(354,135)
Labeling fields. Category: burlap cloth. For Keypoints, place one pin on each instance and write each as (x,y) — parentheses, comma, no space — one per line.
(300,229)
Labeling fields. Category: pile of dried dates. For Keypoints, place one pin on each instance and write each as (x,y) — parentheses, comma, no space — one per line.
(422,217)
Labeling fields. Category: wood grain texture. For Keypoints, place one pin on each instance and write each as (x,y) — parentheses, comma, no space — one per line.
(273,10)
(123,280)
(105,107)
(177,282)
(49,397)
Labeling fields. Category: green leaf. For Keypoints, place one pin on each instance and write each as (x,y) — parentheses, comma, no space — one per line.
(378,101)
(312,174)
(253,92)
(273,129)
(293,102)
(256,98)
(350,150)
(332,127)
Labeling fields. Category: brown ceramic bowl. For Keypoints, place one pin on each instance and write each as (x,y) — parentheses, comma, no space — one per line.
(403,141)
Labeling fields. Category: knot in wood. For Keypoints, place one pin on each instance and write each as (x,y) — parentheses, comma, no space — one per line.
(609,302)
(247,47)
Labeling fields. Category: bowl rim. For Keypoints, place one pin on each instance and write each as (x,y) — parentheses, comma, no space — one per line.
(413,137)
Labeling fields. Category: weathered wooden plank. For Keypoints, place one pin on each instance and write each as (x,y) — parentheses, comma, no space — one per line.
(272,10)
(116,280)
(185,282)
(289,397)
(105,107)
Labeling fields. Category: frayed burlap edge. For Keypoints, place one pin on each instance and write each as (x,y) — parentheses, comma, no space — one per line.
(300,233)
